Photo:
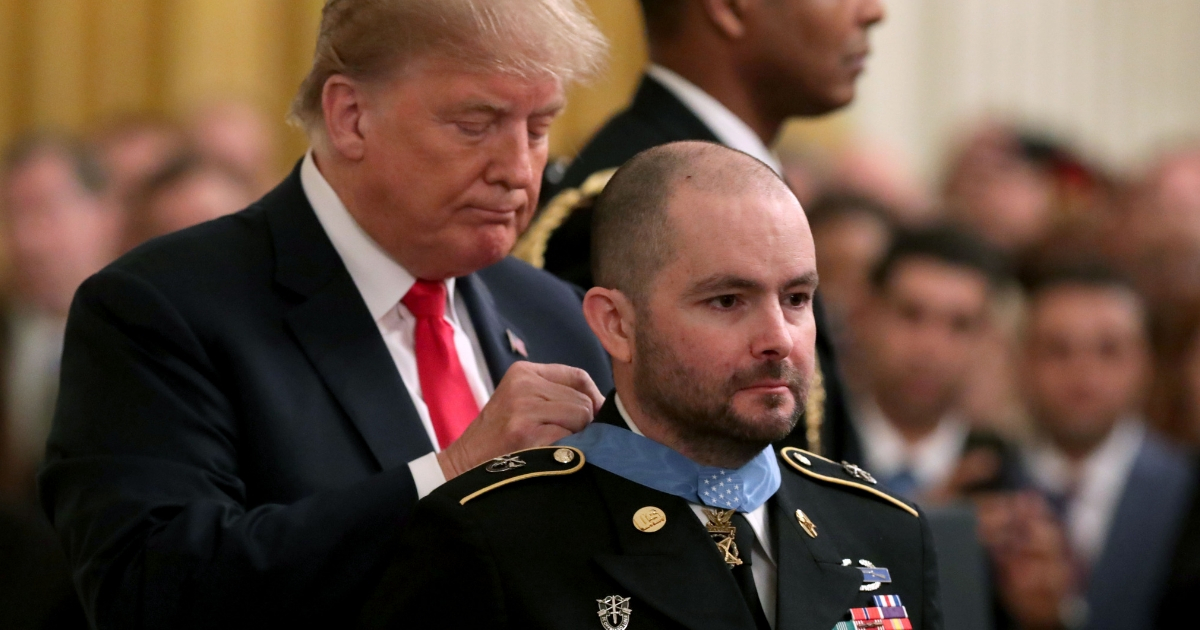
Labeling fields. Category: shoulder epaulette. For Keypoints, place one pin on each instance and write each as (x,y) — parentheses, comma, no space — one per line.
(546,461)
(532,246)
(843,474)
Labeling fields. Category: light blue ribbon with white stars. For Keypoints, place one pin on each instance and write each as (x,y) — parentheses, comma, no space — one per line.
(642,460)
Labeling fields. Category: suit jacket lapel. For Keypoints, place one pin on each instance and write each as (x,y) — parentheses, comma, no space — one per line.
(656,104)
(676,570)
(332,324)
(491,328)
(820,590)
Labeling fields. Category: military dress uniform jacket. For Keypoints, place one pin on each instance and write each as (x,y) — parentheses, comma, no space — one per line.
(657,117)
(541,546)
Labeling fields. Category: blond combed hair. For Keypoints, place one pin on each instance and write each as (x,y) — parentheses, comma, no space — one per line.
(371,40)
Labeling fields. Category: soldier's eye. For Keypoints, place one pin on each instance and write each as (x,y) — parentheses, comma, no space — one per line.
(725,301)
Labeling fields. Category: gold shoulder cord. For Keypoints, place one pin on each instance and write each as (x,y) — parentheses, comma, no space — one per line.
(814,410)
(532,246)
(842,482)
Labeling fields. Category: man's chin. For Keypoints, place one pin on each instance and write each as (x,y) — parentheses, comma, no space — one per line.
(770,419)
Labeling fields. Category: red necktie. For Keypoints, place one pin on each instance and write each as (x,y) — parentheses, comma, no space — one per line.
(444,385)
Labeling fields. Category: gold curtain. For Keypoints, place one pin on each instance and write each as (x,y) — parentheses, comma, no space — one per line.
(76,64)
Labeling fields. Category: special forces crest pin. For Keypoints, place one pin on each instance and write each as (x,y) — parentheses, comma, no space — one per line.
(614,612)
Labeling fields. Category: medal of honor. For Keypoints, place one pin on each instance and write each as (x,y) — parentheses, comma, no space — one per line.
(723,533)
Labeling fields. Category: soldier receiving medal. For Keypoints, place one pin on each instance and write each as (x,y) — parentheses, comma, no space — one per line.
(672,509)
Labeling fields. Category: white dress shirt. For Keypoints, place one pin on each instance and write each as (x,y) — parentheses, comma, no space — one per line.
(1098,483)
(382,282)
(762,557)
(931,460)
(31,380)
(732,131)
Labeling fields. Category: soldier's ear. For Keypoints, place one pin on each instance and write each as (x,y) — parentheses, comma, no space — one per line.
(610,315)
(728,16)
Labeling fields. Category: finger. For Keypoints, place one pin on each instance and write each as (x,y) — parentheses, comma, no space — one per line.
(571,418)
(572,377)
(555,392)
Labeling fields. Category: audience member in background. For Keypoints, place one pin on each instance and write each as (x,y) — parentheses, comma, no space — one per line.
(852,233)
(189,191)
(1000,189)
(1156,236)
(878,171)
(58,230)
(927,322)
(133,148)
(237,134)
(927,314)
(1119,491)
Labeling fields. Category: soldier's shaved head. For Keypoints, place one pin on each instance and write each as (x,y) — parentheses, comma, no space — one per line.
(632,235)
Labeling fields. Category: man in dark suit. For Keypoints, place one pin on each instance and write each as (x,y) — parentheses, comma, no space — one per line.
(1120,491)
(711,335)
(251,408)
(728,72)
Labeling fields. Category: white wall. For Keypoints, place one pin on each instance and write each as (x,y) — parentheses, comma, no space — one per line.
(1118,78)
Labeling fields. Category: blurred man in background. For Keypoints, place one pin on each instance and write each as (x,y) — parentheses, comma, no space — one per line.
(852,234)
(236,133)
(189,191)
(58,230)
(928,313)
(132,148)
(1119,491)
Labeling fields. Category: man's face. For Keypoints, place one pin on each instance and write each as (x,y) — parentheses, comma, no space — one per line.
(810,52)
(200,197)
(724,343)
(926,322)
(57,232)
(452,164)
(1086,361)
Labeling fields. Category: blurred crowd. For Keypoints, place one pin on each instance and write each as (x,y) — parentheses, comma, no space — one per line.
(68,206)
(1024,337)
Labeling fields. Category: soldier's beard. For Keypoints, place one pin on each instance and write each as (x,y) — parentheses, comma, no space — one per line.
(698,408)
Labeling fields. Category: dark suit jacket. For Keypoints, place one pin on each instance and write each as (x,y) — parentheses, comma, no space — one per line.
(656,117)
(232,433)
(538,550)
(1128,580)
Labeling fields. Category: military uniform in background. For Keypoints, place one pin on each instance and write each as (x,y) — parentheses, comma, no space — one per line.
(542,539)
(559,241)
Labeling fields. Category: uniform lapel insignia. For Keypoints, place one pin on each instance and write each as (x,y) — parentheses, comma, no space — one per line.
(806,523)
(516,344)
(614,612)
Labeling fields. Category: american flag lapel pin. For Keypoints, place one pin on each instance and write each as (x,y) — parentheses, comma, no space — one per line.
(516,344)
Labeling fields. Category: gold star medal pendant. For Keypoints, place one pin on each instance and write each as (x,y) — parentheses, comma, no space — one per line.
(723,533)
